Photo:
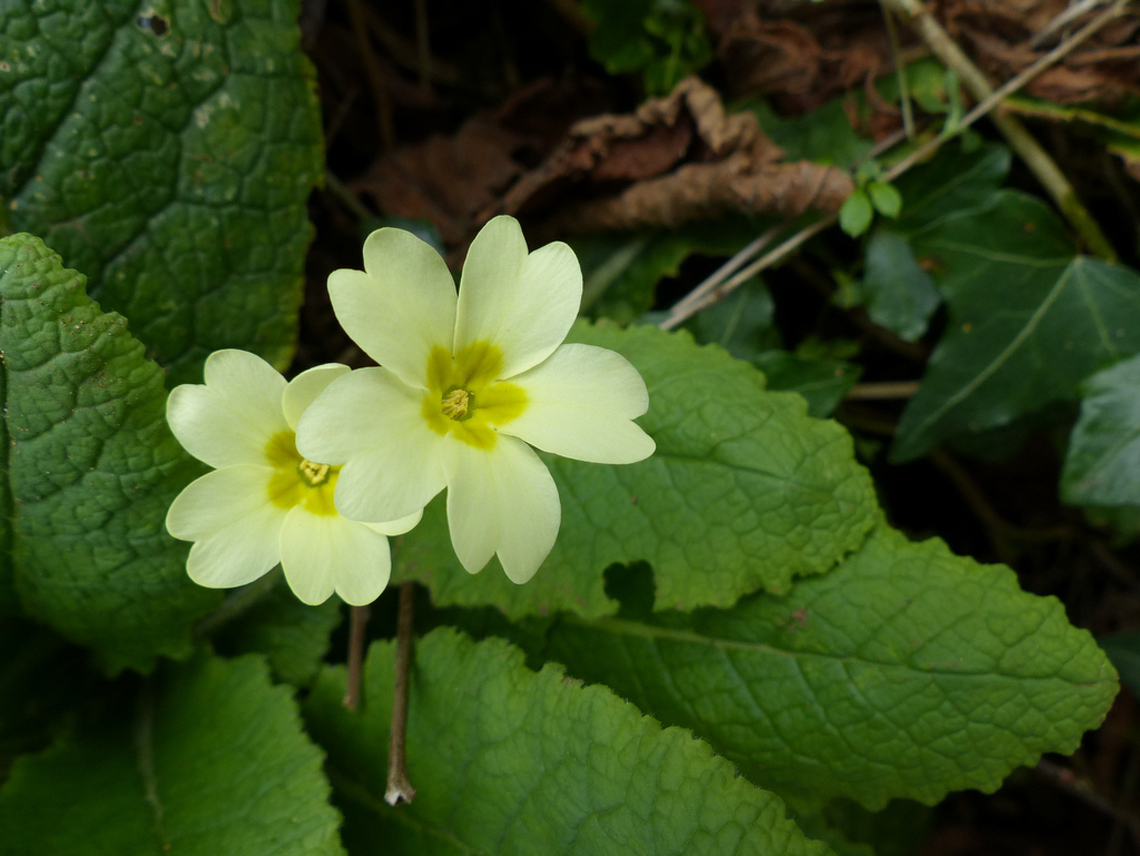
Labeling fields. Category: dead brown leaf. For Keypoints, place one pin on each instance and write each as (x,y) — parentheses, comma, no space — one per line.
(727,166)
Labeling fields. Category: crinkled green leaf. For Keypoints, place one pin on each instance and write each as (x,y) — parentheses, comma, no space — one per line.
(1102,465)
(744,491)
(167,150)
(1124,651)
(505,760)
(293,636)
(211,760)
(905,672)
(91,469)
(899,294)
(1028,321)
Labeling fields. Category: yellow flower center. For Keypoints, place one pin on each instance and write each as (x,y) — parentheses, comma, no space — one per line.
(465,397)
(454,404)
(297,481)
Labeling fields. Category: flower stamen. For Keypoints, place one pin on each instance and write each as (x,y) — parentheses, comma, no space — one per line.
(313,474)
(456,404)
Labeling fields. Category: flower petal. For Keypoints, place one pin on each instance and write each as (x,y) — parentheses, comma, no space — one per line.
(523,304)
(229,514)
(502,501)
(303,390)
(581,403)
(402,307)
(231,418)
(372,422)
(323,553)
(397,527)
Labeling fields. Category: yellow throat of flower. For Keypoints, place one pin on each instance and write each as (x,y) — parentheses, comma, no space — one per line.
(465,397)
(297,481)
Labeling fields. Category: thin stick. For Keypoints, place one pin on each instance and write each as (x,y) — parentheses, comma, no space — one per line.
(690,305)
(677,316)
(883,390)
(900,72)
(356,637)
(1020,140)
(720,274)
(1063,19)
(987,104)
(399,787)
(1081,788)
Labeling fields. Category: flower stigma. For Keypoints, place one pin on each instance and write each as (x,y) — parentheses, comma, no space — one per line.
(465,397)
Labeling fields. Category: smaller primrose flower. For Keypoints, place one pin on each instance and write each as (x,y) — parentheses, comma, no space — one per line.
(466,386)
(264,504)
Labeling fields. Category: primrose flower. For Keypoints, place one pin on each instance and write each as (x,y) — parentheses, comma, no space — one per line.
(264,504)
(464,385)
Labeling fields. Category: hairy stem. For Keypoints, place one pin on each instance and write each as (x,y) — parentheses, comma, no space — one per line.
(399,786)
(358,625)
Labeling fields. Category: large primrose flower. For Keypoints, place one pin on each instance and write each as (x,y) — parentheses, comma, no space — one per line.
(264,504)
(464,385)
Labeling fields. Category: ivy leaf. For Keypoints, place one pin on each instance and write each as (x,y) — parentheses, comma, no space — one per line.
(509,761)
(954,180)
(900,295)
(905,672)
(293,636)
(169,154)
(211,745)
(92,468)
(1102,465)
(745,490)
(1052,320)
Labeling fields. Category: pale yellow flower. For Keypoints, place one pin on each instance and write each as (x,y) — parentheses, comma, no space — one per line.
(465,384)
(264,504)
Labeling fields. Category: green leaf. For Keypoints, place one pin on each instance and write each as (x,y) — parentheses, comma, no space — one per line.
(952,181)
(505,760)
(211,760)
(742,323)
(905,672)
(823,135)
(1027,322)
(856,214)
(31,704)
(293,636)
(168,151)
(744,490)
(899,294)
(91,469)
(1102,465)
(1124,651)
(664,39)
(621,271)
(822,383)
(886,198)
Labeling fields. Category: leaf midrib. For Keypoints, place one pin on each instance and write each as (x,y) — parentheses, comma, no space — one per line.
(625,627)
